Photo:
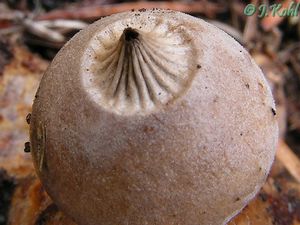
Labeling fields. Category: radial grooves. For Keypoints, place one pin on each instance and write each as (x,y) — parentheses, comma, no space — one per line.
(141,72)
(133,90)
(155,72)
(151,87)
(154,58)
(160,82)
(117,75)
(144,71)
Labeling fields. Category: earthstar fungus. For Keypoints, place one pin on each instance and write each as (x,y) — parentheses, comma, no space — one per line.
(153,117)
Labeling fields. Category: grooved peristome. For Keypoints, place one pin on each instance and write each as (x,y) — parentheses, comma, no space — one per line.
(139,70)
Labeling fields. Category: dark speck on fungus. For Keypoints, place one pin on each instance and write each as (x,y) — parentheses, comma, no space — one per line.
(28,117)
(237,199)
(27,147)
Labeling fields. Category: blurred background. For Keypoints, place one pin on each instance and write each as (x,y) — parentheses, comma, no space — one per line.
(33,31)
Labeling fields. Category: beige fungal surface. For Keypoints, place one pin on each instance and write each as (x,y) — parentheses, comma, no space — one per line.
(153,117)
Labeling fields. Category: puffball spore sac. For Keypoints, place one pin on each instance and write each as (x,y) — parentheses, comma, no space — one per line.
(153,117)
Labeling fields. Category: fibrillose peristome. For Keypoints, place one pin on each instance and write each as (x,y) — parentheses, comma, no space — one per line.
(138,64)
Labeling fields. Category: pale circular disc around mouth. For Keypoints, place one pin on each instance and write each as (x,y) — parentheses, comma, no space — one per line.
(136,67)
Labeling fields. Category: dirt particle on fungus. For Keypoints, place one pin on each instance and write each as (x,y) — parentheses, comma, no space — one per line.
(273,111)
(132,10)
(142,10)
(28,118)
(27,147)
(216,99)
(241,134)
(198,66)
(237,199)
(247,85)
(147,129)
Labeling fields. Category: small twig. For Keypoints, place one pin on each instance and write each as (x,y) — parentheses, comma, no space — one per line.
(234,16)
(42,31)
(289,159)
(64,24)
(250,30)
(94,12)
(49,30)
(276,40)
